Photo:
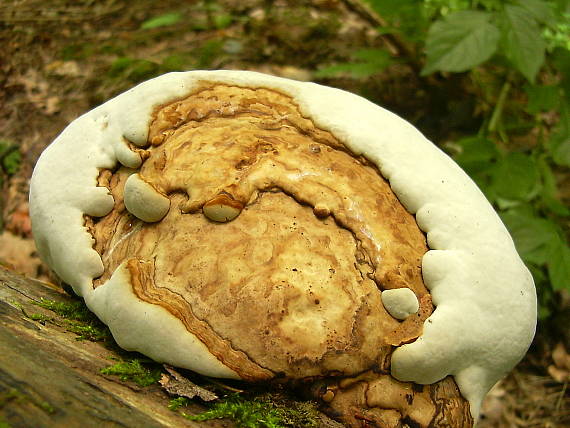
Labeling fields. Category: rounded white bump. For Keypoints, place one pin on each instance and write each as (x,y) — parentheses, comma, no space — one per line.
(98,202)
(400,302)
(144,201)
(127,157)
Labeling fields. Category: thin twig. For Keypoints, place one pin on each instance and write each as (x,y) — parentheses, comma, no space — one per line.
(561,397)
(223,385)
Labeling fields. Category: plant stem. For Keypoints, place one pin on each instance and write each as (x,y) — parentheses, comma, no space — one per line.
(498,111)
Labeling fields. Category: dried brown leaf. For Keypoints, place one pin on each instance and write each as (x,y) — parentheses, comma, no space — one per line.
(177,384)
(18,254)
(559,375)
(19,222)
(560,357)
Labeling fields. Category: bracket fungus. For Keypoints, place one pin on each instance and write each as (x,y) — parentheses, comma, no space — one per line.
(252,227)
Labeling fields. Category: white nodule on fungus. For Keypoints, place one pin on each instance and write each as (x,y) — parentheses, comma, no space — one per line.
(400,302)
(143,201)
(128,157)
(485,299)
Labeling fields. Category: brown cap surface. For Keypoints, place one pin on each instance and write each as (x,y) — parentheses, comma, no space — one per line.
(278,241)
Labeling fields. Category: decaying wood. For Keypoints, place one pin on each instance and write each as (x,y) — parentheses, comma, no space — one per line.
(50,379)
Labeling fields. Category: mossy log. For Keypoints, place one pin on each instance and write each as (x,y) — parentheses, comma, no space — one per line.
(48,378)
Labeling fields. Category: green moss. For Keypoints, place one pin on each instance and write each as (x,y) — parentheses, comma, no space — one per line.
(78,319)
(268,411)
(4,424)
(46,407)
(134,371)
(89,332)
(16,304)
(15,395)
(8,396)
(10,157)
(177,403)
(71,310)
(39,317)
(299,413)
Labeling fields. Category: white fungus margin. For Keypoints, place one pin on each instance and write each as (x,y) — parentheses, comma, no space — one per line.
(485,298)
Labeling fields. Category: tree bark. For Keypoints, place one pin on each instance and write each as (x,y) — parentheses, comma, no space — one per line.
(48,378)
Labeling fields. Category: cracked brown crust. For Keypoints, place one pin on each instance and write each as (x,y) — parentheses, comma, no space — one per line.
(143,273)
(290,288)
(375,399)
(269,144)
(334,236)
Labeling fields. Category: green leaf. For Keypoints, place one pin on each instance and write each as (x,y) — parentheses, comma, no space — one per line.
(133,69)
(559,142)
(162,21)
(376,56)
(534,237)
(4,146)
(542,98)
(175,62)
(559,267)
(561,60)
(550,193)
(516,177)
(476,154)
(392,8)
(539,9)
(354,70)
(538,273)
(10,158)
(561,150)
(222,21)
(366,63)
(206,54)
(11,162)
(523,44)
(460,41)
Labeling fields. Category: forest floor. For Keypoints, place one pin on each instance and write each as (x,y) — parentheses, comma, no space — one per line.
(60,59)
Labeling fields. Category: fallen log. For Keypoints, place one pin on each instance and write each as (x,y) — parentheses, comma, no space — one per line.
(48,378)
